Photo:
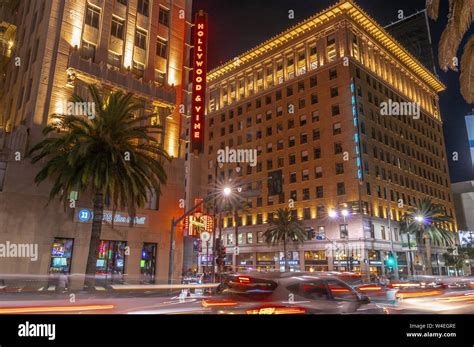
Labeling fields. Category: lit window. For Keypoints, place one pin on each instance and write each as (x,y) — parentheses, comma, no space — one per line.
(117,27)
(164,16)
(143,7)
(161,47)
(140,38)
(93,16)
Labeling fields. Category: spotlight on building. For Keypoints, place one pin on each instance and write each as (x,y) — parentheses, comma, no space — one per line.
(332,213)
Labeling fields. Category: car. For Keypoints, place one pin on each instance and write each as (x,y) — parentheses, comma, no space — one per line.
(287,293)
(362,284)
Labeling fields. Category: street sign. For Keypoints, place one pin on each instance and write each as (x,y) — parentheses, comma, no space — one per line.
(205,236)
(319,237)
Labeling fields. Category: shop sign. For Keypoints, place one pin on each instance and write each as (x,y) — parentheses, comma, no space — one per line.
(344,262)
(85,215)
(290,262)
(199,82)
(316,262)
(265,262)
(375,262)
(247,262)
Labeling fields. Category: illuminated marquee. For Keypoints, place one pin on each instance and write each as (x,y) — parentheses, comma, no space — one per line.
(199,81)
(198,222)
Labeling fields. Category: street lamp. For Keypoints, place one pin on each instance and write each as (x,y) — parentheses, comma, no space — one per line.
(227,191)
(333,215)
(420,219)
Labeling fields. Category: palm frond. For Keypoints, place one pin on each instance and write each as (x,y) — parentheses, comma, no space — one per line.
(466,79)
(432,7)
(89,154)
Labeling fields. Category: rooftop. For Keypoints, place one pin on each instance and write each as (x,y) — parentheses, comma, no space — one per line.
(352,10)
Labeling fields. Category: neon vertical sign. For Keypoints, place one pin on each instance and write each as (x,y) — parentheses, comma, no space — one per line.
(199,81)
(356,134)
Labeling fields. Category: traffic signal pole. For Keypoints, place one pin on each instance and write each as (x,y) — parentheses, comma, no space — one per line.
(174,223)
(393,253)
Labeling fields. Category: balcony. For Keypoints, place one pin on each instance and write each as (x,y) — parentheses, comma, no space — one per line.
(125,80)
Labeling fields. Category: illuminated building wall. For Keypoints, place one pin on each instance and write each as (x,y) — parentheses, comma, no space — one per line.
(136,46)
(308,100)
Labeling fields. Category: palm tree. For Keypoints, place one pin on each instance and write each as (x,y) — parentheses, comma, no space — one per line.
(461,14)
(114,156)
(427,221)
(284,228)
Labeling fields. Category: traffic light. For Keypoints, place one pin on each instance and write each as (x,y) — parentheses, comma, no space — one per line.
(220,250)
(390,262)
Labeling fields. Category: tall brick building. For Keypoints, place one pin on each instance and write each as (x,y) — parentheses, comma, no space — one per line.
(308,100)
(138,46)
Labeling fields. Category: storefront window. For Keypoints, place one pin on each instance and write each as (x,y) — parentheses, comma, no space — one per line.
(374,254)
(244,261)
(315,255)
(266,261)
(61,256)
(111,260)
(292,260)
(148,262)
(315,261)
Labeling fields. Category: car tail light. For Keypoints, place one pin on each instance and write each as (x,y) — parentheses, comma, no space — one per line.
(218,303)
(277,310)
(354,275)
(403,285)
(417,294)
(335,289)
(369,287)
(243,279)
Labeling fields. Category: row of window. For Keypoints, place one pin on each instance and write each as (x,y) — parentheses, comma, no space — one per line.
(115,59)
(248,237)
(143,7)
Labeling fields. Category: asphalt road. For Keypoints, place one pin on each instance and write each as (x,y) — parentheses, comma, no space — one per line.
(153,302)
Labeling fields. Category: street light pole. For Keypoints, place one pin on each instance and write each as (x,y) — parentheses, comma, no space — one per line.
(174,223)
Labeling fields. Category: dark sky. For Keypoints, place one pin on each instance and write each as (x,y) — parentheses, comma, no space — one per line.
(238,25)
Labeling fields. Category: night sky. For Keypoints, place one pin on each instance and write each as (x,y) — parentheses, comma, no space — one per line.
(236,26)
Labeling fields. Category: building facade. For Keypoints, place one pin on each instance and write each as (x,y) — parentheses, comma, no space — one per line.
(463,194)
(138,46)
(470,135)
(309,101)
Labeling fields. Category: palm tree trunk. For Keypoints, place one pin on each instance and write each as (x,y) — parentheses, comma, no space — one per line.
(94,242)
(429,270)
(284,257)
